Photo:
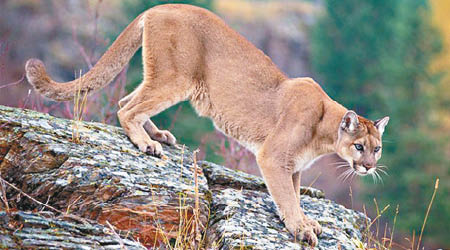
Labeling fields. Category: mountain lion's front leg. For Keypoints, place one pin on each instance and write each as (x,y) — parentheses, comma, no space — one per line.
(276,161)
(155,133)
(279,182)
(296,177)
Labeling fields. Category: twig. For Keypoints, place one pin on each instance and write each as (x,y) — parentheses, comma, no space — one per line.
(367,224)
(197,223)
(351,194)
(96,15)
(310,185)
(42,204)
(413,239)
(13,83)
(122,245)
(378,212)
(72,203)
(26,100)
(436,186)
(80,47)
(379,215)
(48,199)
(181,161)
(393,228)
(29,197)
(4,198)
(384,235)
(174,117)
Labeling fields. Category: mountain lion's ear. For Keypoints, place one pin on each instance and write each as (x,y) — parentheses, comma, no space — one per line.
(350,122)
(381,123)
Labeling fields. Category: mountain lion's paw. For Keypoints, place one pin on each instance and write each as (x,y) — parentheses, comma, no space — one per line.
(301,230)
(164,136)
(316,227)
(309,237)
(152,148)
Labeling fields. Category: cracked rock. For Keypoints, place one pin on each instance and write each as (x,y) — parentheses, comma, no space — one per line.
(91,170)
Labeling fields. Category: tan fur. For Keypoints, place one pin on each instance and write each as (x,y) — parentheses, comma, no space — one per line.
(189,53)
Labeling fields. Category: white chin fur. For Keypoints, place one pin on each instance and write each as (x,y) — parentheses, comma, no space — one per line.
(361,171)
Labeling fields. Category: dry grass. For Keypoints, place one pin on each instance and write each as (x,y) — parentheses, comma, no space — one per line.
(79,108)
(312,183)
(436,186)
(189,234)
(375,241)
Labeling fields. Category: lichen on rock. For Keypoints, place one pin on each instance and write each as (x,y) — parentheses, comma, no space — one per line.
(103,177)
(245,216)
(25,230)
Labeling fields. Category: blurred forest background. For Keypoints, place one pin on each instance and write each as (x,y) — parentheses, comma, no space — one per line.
(378,57)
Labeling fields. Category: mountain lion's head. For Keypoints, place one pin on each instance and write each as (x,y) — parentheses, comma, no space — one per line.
(359,143)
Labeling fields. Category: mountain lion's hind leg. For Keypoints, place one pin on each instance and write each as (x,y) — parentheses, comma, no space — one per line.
(133,124)
(153,96)
(169,66)
(126,99)
(163,136)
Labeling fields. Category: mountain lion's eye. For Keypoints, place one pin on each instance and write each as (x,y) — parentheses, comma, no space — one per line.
(359,147)
(377,148)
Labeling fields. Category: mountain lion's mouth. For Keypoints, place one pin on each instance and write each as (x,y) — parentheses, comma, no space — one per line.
(360,170)
(374,171)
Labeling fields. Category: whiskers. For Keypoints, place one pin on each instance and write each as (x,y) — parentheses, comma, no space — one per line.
(382,169)
(376,173)
(348,173)
(339,164)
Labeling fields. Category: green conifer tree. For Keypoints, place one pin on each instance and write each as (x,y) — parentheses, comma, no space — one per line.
(372,56)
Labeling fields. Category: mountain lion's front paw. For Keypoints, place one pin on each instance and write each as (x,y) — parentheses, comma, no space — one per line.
(152,148)
(164,136)
(303,231)
(316,227)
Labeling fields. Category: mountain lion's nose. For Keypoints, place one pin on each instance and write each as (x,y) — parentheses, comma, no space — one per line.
(368,166)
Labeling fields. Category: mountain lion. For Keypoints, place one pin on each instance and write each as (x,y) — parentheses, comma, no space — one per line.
(190,53)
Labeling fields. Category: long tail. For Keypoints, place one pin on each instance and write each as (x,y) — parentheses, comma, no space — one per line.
(104,71)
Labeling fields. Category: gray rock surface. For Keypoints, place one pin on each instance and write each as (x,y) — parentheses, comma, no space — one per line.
(220,176)
(244,215)
(19,230)
(104,178)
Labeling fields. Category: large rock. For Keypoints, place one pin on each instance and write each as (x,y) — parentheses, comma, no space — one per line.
(91,170)
(22,230)
(245,216)
(102,177)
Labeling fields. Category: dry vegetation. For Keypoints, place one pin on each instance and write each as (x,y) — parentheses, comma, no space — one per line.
(382,238)
(189,235)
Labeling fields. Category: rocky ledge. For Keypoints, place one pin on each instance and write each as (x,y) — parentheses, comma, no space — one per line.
(105,194)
